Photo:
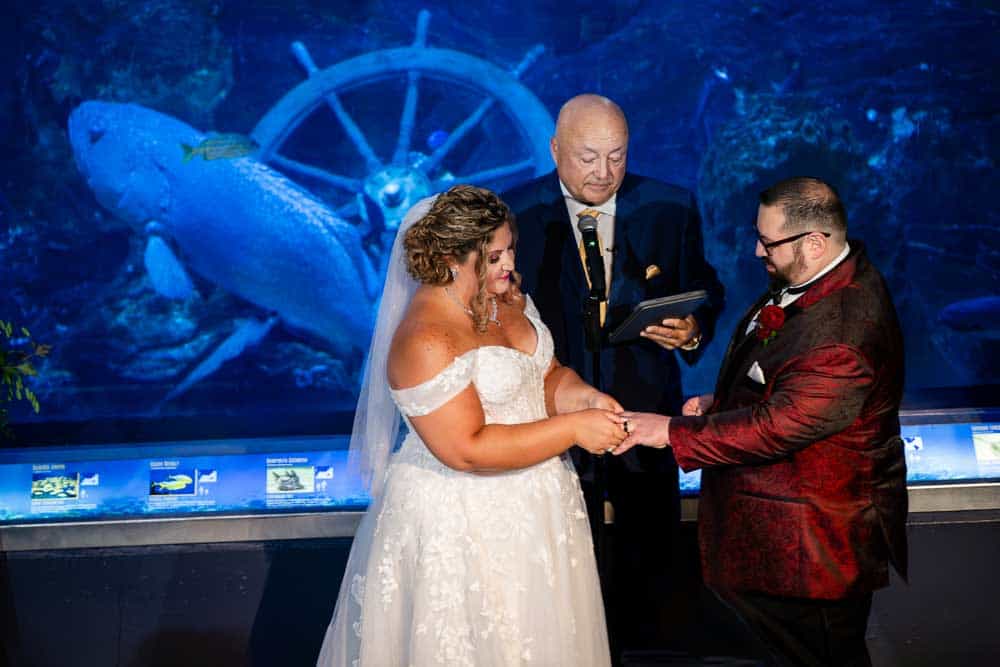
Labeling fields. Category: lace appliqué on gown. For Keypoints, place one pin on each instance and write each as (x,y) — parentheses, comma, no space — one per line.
(455,568)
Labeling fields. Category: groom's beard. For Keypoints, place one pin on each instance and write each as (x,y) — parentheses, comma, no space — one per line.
(775,281)
(781,277)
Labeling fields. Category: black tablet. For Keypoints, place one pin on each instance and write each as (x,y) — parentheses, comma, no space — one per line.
(654,311)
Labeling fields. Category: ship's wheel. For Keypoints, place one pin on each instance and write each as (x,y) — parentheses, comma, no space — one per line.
(487,128)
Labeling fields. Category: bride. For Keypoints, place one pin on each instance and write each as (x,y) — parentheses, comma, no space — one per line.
(475,549)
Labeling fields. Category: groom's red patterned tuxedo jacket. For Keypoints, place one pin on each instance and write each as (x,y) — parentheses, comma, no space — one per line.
(803,492)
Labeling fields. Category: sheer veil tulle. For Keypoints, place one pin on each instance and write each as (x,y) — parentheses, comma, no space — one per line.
(376,420)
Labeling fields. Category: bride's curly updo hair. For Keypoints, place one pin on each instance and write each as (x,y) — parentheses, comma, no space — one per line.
(462,220)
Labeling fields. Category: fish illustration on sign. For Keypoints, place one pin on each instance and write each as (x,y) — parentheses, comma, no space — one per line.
(287,480)
(172,483)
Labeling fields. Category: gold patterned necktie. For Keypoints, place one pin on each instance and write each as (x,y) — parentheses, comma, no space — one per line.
(595,214)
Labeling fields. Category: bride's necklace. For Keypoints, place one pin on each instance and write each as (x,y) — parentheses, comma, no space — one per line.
(494,309)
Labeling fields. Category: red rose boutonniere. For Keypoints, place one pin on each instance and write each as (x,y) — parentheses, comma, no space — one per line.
(770,320)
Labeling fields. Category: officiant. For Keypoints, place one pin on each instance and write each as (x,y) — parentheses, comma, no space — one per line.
(803,489)
(649,237)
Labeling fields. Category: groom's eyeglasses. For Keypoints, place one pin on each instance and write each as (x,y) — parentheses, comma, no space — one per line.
(770,245)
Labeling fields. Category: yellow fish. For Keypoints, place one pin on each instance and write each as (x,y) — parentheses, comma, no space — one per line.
(219,146)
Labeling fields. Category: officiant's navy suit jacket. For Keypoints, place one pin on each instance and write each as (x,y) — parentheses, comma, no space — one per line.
(657,234)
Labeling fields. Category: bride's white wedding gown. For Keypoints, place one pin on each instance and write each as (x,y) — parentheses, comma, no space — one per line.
(456,568)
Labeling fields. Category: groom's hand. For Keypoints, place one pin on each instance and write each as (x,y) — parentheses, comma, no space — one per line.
(644,428)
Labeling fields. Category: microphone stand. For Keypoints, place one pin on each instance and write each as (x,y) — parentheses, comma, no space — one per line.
(594,261)
(592,330)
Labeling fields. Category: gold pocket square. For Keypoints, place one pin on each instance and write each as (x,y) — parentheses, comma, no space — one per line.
(652,271)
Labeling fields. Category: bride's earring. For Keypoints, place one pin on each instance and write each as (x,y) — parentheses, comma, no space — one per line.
(454,273)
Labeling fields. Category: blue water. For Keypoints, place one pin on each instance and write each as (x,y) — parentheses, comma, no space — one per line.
(893,104)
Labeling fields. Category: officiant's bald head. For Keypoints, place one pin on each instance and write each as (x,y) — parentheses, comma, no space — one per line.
(590,148)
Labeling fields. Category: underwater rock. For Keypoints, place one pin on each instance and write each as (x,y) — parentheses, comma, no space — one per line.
(169,54)
(308,368)
(774,139)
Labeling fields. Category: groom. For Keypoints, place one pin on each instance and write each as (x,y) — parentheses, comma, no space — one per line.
(803,498)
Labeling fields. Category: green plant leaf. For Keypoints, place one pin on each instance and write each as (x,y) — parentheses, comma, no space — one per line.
(26,369)
(15,365)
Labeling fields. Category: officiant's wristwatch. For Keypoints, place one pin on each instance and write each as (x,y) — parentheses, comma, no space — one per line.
(693,343)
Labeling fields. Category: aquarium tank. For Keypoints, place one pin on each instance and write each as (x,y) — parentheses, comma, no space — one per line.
(197,197)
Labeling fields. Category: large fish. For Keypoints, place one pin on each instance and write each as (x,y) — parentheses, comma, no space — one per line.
(977,314)
(235,222)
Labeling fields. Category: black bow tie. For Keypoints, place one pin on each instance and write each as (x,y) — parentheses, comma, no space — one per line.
(776,295)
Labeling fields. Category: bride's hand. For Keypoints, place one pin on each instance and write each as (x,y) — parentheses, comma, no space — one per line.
(602,401)
(598,431)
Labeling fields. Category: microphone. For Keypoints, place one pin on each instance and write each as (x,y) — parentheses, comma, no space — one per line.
(587,225)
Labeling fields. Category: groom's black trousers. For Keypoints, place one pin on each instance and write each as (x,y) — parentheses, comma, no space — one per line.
(798,631)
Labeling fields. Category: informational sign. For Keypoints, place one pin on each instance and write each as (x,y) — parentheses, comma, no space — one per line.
(986,439)
(297,481)
(193,481)
(87,482)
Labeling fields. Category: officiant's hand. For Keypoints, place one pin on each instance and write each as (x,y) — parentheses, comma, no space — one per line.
(675,333)
(696,406)
(644,428)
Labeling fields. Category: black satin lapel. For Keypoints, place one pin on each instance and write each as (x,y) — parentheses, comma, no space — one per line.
(792,310)
(739,344)
(561,249)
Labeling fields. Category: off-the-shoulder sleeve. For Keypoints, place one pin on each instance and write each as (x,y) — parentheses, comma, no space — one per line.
(432,394)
